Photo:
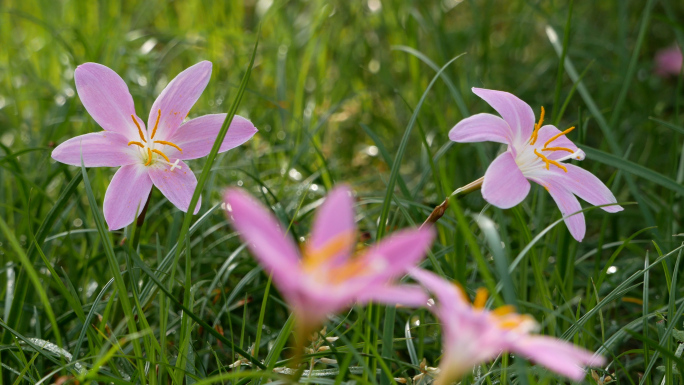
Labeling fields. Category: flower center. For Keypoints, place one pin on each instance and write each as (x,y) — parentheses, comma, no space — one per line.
(579,154)
(314,260)
(148,149)
(505,316)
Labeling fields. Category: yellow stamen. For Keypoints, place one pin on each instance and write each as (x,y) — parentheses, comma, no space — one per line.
(480,298)
(156,124)
(537,126)
(503,310)
(168,144)
(558,135)
(558,149)
(149,157)
(139,129)
(137,143)
(313,258)
(550,161)
(162,154)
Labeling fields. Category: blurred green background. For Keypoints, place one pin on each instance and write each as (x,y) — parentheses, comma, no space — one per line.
(332,92)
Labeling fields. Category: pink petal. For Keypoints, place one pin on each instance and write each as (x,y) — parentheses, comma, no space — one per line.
(334,222)
(482,128)
(504,185)
(126,195)
(559,356)
(668,61)
(516,113)
(176,100)
(105,95)
(197,136)
(177,185)
(100,149)
(265,237)
(397,254)
(546,133)
(590,188)
(406,295)
(448,294)
(568,204)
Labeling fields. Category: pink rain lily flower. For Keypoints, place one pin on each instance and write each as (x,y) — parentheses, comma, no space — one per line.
(147,156)
(668,61)
(326,277)
(473,335)
(535,153)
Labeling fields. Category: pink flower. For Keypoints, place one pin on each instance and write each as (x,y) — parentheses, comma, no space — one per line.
(668,61)
(147,156)
(535,153)
(472,335)
(326,276)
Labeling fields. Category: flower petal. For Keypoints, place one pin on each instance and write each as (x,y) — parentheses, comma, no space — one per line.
(546,133)
(126,195)
(504,185)
(516,113)
(177,185)
(448,294)
(264,235)
(406,295)
(99,149)
(482,128)
(105,95)
(559,356)
(334,223)
(590,188)
(197,136)
(176,100)
(568,204)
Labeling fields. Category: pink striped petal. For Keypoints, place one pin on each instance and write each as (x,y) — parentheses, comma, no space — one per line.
(176,100)
(558,356)
(334,222)
(406,295)
(590,188)
(196,137)
(546,133)
(504,185)
(99,149)
(177,185)
(264,235)
(106,98)
(482,128)
(126,195)
(568,204)
(516,113)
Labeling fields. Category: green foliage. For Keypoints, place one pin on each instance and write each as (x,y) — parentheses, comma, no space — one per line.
(356,92)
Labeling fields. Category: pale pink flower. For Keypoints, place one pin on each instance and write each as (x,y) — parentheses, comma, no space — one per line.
(535,153)
(326,276)
(472,334)
(668,61)
(152,156)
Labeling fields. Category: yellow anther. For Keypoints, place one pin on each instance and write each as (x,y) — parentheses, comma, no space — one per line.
(550,161)
(156,124)
(480,298)
(503,310)
(558,135)
(136,143)
(537,126)
(162,154)
(168,144)
(149,157)
(510,324)
(558,149)
(139,129)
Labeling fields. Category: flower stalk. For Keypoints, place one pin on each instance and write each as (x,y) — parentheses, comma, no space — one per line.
(439,211)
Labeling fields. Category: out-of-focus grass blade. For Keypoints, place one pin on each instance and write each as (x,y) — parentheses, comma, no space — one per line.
(633,168)
(668,125)
(500,257)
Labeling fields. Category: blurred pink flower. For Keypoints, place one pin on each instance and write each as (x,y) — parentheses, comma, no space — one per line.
(146,156)
(326,276)
(668,61)
(473,335)
(535,153)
